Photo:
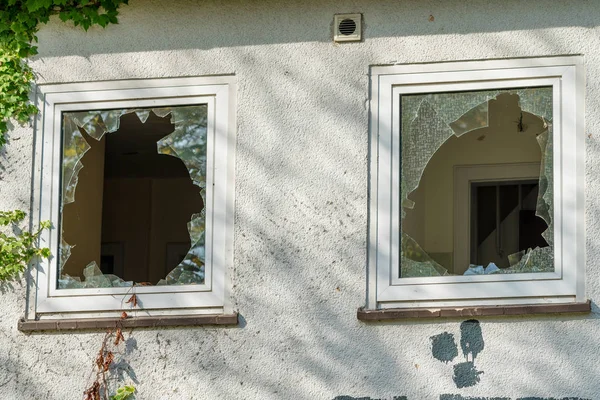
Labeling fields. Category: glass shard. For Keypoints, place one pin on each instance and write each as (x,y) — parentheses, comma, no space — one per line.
(475,118)
(143,115)
(74,148)
(188,141)
(540,259)
(191,269)
(64,254)
(416,262)
(161,112)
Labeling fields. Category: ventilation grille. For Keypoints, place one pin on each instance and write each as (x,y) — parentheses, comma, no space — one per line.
(347,27)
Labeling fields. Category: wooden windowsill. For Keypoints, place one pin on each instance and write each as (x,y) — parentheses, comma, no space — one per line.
(135,322)
(443,312)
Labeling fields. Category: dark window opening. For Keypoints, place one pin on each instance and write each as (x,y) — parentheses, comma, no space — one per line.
(503,221)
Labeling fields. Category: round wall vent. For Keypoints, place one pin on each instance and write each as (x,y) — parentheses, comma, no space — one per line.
(347,27)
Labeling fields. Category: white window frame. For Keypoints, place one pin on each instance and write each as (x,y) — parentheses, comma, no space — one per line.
(566,284)
(212,297)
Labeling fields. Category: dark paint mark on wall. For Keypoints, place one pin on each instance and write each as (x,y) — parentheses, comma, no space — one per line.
(459,397)
(465,374)
(551,398)
(443,347)
(471,339)
(367,398)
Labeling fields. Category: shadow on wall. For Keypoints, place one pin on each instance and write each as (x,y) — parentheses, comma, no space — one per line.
(226,24)
(284,204)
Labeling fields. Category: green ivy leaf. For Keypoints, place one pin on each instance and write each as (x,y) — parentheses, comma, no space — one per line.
(123,393)
(19,21)
(17,250)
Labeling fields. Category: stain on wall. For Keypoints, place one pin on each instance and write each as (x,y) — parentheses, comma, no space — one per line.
(459,397)
(444,348)
(471,339)
(367,398)
(551,398)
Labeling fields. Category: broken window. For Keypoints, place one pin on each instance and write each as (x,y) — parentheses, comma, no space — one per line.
(137,179)
(134,184)
(511,227)
(476,190)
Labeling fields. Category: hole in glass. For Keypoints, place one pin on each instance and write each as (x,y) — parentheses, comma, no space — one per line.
(509,218)
(133,197)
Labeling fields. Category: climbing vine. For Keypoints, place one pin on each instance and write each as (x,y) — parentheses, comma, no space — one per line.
(18,248)
(19,24)
(105,360)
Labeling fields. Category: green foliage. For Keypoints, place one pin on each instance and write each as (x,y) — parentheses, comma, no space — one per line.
(123,393)
(19,23)
(18,249)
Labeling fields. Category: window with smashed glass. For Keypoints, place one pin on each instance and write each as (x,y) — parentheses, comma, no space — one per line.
(133,194)
(509,221)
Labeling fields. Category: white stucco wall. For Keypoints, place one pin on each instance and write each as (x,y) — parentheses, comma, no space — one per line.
(302,204)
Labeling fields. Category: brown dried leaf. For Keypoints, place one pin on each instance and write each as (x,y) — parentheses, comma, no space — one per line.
(100,359)
(119,337)
(108,360)
(93,392)
(124,315)
(133,300)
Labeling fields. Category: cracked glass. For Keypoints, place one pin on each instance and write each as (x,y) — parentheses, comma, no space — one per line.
(510,219)
(133,195)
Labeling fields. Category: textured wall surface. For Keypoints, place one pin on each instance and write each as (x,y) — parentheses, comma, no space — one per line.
(301,205)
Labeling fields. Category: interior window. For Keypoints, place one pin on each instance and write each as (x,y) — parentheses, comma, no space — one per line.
(503,223)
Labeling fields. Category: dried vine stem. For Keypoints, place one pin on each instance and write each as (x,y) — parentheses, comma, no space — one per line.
(98,390)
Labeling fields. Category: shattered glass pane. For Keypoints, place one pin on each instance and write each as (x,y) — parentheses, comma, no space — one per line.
(64,252)
(428,120)
(531,260)
(475,118)
(143,115)
(161,112)
(441,131)
(416,262)
(538,101)
(129,168)
(111,119)
(191,269)
(188,141)
(74,148)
